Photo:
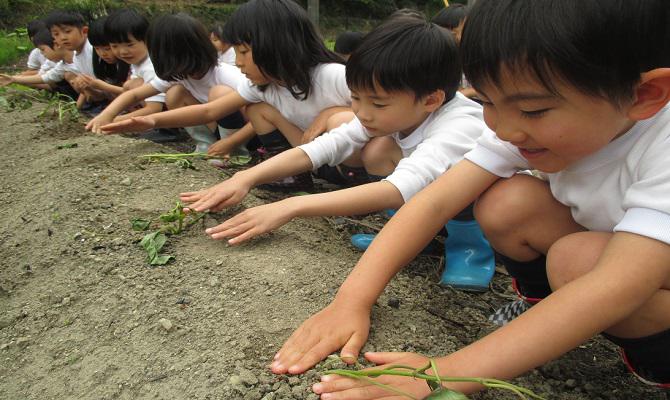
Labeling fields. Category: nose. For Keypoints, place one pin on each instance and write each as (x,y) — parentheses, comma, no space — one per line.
(510,133)
(362,113)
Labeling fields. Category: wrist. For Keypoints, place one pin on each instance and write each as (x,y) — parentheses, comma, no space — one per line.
(292,206)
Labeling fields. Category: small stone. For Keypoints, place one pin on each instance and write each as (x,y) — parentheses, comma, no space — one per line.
(22,342)
(126,182)
(219,263)
(269,396)
(393,302)
(65,301)
(248,377)
(165,324)
(213,281)
(235,380)
(78,235)
(571,383)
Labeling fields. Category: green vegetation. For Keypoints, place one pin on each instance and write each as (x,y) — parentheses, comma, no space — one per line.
(58,106)
(13,45)
(434,381)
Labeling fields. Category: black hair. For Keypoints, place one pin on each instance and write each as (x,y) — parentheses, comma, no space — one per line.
(121,24)
(116,73)
(450,17)
(35,26)
(284,43)
(598,47)
(64,18)
(406,54)
(407,13)
(348,41)
(179,47)
(43,38)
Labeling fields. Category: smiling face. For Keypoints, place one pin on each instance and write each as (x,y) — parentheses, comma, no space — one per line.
(132,52)
(69,37)
(244,60)
(383,113)
(552,131)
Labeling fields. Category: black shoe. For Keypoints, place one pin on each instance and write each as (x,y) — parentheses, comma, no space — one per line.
(162,135)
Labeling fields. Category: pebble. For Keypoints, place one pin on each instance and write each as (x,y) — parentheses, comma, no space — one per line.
(22,342)
(393,302)
(248,377)
(269,396)
(126,182)
(213,281)
(219,263)
(165,324)
(571,383)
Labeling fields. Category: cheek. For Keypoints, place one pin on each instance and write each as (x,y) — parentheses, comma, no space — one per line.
(490,118)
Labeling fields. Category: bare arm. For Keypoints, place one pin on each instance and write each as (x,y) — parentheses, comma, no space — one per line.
(228,144)
(125,100)
(232,191)
(268,217)
(184,116)
(345,322)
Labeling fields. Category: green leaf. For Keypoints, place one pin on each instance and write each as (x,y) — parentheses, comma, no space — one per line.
(21,48)
(148,240)
(161,259)
(239,160)
(140,224)
(159,241)
(169,217)
(446,394)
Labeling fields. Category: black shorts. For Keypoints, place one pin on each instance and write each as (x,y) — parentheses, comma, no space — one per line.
(648,358)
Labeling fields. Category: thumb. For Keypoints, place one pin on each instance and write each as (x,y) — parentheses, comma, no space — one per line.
(352,348)
(384,358)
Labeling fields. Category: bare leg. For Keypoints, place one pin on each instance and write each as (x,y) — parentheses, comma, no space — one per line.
(267,119)
(381,155)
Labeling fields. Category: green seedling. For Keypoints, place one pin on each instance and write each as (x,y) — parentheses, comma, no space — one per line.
(185,160)
(57,105)
(170,223)
(434,381)
(153,243)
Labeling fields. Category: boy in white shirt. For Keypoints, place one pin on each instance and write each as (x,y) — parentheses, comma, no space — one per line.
(410,126)
(588,105)
(35,58)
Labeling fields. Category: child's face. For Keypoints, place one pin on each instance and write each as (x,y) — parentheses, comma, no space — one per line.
(245,62)
(384,113)
(132,52)
(70,37)
(551,131)
(218,44)
(106,54)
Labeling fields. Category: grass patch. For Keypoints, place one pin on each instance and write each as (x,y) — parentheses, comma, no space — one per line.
(13,45)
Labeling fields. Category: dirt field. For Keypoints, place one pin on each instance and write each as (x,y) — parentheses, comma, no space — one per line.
(81,311)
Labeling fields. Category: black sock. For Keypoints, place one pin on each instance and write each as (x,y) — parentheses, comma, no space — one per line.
(647,356)
(467,214)
(274,142)
(376,178)
(232,121)
(531,276)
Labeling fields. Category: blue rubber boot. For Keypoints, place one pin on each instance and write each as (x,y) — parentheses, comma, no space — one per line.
(362,241)
(470,262)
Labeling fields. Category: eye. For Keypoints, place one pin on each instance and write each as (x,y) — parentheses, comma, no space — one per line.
(534,113)
(377,105)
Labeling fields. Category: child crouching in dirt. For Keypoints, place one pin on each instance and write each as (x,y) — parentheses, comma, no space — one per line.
(410,126)
(588,105)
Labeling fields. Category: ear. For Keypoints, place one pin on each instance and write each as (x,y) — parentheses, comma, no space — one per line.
(651,94)
(84,30)
(434,100)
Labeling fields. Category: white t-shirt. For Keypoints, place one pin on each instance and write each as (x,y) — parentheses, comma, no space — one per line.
(436,145)
(47,65)
(83,60)
(145,70)
(56,73)
(329,89)
(625,186)
(36,59)
(227,57)
(221,74)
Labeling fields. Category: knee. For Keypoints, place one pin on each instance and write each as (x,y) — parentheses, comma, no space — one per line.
(574,255)
(338,119)
(506,204)
(219,91)
(378,153)
(261,110)
(175,96)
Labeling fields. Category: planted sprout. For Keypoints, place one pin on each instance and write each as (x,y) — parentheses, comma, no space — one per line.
(435,381)
(172,222)
(185,160)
